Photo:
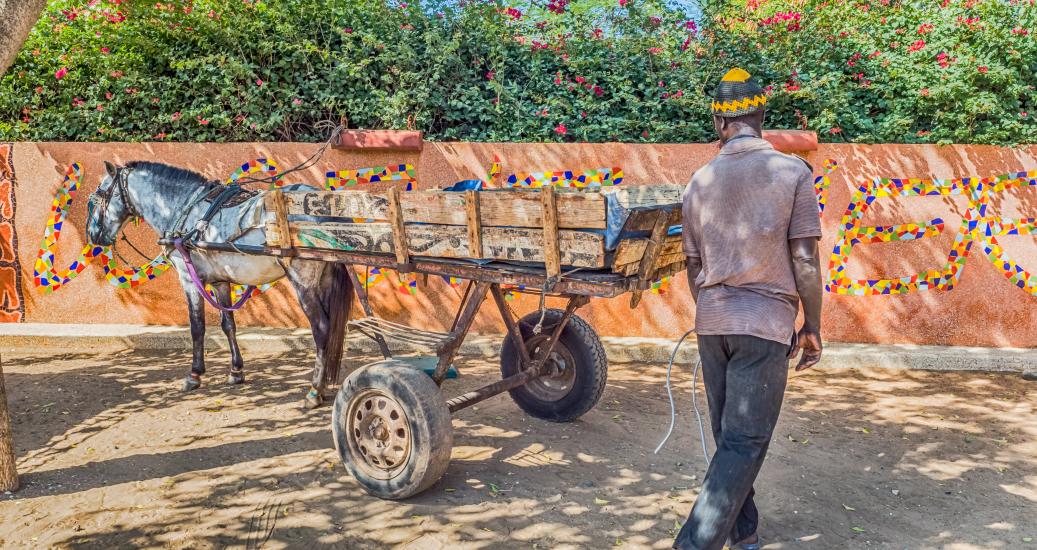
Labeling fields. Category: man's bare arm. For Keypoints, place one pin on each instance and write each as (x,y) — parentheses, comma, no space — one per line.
(807,270)
(694,268)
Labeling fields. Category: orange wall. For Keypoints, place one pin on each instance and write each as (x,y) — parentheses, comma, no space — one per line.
(984,308)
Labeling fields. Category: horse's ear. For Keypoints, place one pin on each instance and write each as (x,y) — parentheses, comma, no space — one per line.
(110,168)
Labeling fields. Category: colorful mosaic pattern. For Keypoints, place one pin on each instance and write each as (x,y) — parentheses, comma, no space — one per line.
(48,279)
(976,227)
(45,277)
(346,178)
(263,167)
(407,284)
(601,177)
(822,183)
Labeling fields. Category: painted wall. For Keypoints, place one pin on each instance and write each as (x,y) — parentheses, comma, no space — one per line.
(965,298)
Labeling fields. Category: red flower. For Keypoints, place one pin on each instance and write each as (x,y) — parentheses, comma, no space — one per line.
(100,107)
(348,30)
(60,73)
(561,129)
(598,91)
(513,13)
(622,3)
(924,92)
(923,133)
(791,86)
(983,68)
(580,80)
(259,82)
(655,51)
(489,75)
(296,101)
(39,89)
(105,50)
(107,95)
(918,45)
(558,79)
(76,102)
(925,28)
(176,115)
(835,130)
(201,120)
(644,134)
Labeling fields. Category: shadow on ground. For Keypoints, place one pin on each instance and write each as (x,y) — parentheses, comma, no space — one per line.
(111,455)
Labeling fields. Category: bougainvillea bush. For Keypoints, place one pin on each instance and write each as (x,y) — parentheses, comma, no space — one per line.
(535,70)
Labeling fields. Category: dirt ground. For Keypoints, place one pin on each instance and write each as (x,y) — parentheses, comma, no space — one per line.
(112,456)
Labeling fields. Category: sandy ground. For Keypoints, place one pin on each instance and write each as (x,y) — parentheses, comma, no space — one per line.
(112,456)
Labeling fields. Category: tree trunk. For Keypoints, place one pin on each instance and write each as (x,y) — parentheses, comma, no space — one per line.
(17,18)
(8,472)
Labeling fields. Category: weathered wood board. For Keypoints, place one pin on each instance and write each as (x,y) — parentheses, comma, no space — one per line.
(632,250)
(511,208)
(577,248)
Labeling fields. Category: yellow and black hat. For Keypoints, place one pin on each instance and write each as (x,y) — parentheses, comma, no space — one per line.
(738,94)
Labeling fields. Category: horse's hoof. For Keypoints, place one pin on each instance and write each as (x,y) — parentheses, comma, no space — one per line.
(312,400)
(190,384)
(236,378)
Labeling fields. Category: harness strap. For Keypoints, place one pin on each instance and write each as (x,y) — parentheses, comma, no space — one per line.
(178,243)
(203,223)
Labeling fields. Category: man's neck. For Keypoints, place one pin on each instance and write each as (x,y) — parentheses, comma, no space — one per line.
(742,134)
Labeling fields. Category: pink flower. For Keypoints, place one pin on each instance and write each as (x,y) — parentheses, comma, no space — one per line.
(924,92)
(835,130)
(561,129)
(176,115)
(622,3)
(60,73)
(513,13)
(489,75)
(76,102)
(655,51)
(348,30)
(580,80)
(105,50)
(100,107)
(925,28)
(296,101)
(983,68)
(644,134)
(918,45)
(259,82)
(662,84)
(160,135)
(107,95)
(598,91)
(201,120)
(39,89)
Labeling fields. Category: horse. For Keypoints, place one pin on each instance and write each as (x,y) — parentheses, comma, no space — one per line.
(173,201)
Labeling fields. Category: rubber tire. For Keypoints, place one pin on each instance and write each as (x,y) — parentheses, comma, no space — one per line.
(432,435)
(591,367)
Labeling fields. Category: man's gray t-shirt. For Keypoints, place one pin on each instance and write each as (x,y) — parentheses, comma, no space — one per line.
(740,211)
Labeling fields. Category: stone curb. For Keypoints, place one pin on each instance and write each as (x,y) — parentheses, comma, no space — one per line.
(28,338)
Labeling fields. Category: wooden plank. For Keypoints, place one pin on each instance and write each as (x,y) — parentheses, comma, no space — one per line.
(274,202)
(471,206)
(552,255)
(577,248)
(399,230)
(337,204)
(632,250)
(655,243)
(629,270)
(644,219)
(498,208)
(640,196)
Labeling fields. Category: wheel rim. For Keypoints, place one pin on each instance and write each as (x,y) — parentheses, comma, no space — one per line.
(378,434)
(552,387)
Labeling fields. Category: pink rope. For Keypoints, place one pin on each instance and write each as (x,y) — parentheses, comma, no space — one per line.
(179,245)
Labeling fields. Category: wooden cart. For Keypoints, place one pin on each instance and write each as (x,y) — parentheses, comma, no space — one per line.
(391,423)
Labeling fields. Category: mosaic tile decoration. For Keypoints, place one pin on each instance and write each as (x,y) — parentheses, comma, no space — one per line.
(45,277)
(822,183)
(263,167)
(976,226)
(345,178)
(602,177)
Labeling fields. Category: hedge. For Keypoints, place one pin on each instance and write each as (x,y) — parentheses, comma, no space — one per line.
(541,70)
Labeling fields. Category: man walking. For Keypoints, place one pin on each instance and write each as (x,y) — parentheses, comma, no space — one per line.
(751,227)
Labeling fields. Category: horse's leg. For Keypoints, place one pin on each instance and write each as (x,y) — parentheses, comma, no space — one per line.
(315,286)
(237,364)
(196,312)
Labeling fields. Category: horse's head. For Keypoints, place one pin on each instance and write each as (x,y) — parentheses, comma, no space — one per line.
(108,207)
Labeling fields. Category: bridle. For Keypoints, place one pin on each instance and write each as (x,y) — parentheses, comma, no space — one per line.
(103,199)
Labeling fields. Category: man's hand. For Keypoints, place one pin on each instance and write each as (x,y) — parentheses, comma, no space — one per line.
(810,342)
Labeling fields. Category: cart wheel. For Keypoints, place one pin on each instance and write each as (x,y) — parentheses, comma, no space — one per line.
(392,429)
(578,356)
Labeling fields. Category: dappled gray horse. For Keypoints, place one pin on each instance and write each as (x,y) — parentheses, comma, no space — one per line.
(172,201)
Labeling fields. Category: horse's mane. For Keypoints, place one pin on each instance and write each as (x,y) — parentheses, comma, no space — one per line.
(169,172)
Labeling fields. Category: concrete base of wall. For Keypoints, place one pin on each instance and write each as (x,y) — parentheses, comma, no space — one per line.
(65,338)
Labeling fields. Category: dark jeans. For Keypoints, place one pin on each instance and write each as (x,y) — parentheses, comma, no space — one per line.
(745,382)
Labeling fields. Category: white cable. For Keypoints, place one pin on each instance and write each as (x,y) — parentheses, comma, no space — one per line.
(694,399)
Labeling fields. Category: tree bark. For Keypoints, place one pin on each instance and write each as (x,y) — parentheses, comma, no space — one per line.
(17,18)
(8,471)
